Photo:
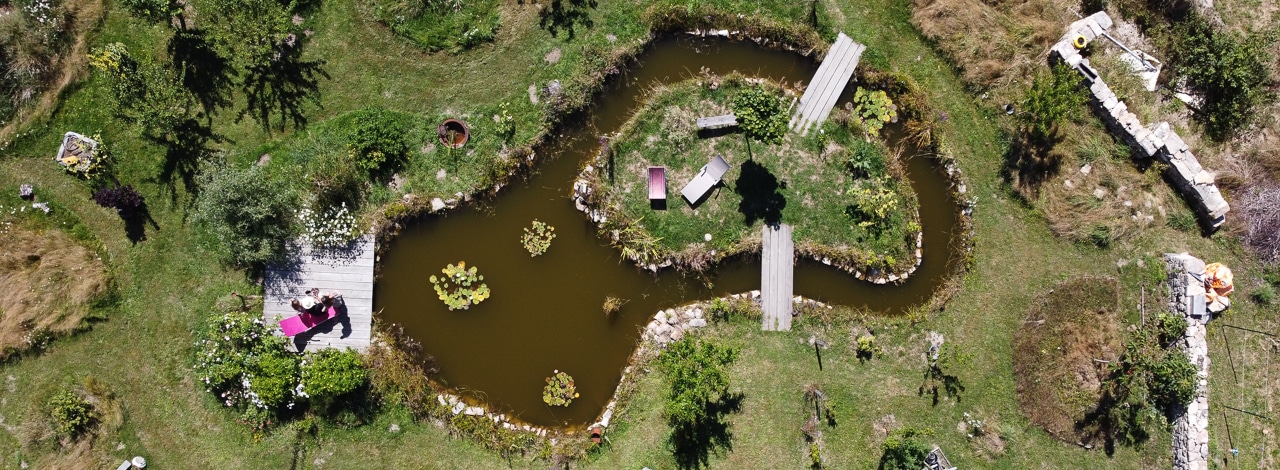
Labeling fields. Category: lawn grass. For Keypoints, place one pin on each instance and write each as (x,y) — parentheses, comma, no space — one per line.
(168,283)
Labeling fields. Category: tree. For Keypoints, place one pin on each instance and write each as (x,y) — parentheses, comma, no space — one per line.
(153,10)
(249,213)
(697,375)
(143,92)
(1230,69)
(760,114)
(250,32)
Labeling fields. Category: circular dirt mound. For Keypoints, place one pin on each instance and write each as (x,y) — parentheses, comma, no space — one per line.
(1058,380)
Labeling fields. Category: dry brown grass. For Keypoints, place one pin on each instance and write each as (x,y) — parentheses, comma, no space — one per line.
(48,282)
(1057,379)
(1113,194)
(72,67)
(993,43)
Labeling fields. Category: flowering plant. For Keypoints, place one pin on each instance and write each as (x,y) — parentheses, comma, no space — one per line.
(246,366)
(335,226)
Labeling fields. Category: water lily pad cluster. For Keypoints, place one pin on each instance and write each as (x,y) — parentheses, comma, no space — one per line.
(460,287)
(874,109)
(537,239)
(559,390)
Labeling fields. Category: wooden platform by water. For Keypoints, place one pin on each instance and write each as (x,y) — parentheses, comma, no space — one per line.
(348,270)
(776,281)
(827,84)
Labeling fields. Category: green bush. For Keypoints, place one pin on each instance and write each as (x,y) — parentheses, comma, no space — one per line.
(760,114)
(242,362)
(148,94)
(1264,294)
(71,414)
(329,374)
(1231,70)
(1051,98)
(378,140)
(697,375)
(1171,328)
(1173,380)
(248,212)
(903,450)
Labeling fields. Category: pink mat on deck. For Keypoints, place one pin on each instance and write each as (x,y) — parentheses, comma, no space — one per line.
(302,322)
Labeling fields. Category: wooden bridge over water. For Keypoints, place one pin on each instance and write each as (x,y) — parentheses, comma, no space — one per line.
(776,277)
(826,86)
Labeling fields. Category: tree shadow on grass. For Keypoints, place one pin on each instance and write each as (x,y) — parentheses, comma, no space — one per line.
(1031,161)
(761,199)
(185,148)
(937,381)
(135,223)
(205,73)
(694,444)
(558,16)
(278,89)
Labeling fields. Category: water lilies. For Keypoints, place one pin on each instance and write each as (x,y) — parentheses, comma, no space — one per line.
(455,287)
(559,390)
(537,239)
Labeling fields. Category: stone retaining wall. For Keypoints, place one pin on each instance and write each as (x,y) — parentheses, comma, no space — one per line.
(1183,171)
(1191,423)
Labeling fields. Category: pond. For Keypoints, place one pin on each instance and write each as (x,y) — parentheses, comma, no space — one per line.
(546,312)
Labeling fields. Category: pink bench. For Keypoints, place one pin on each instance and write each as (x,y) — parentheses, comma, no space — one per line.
(302,322)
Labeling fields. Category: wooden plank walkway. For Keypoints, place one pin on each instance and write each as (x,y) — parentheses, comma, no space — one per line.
(348,270)
(778,253)
(717,122)
(827,84)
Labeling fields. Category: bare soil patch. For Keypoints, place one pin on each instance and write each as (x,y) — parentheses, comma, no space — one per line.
(1058,380)
(49,282)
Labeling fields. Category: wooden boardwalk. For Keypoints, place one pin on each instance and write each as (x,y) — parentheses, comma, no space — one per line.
(827,84)
(778,253)
(348,270)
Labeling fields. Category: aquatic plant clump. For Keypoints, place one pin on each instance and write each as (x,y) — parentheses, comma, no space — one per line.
(455,288)
(874,109)
(537,239)
(560,390)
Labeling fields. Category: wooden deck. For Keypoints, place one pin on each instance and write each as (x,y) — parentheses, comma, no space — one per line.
(826,86)
(348,270)
(778,253)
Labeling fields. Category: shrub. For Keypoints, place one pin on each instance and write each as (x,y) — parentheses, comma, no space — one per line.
(1264,294)
(697,376)
(246,211)
(1173,380)
(124,199)
(328,374)
(1171,328)
(71,414)
(903,450)
(871,203)
(1051,98)
(760,114)
(378,139)
(1231,70)
(867,160)
(867,346)
(245,365)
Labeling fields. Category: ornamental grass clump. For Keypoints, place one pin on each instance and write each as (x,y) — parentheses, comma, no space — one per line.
(537,239)
(455,287)
(334,227)
(559,390)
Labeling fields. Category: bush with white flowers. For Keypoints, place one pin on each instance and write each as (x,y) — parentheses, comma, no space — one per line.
(332,227)
(245,366)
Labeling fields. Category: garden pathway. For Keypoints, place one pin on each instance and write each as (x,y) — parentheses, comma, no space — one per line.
(778,253)
(827,84)
(347,270)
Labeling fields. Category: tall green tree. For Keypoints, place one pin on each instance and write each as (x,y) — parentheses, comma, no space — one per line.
(144,92)
(697,376)
(1230,69)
